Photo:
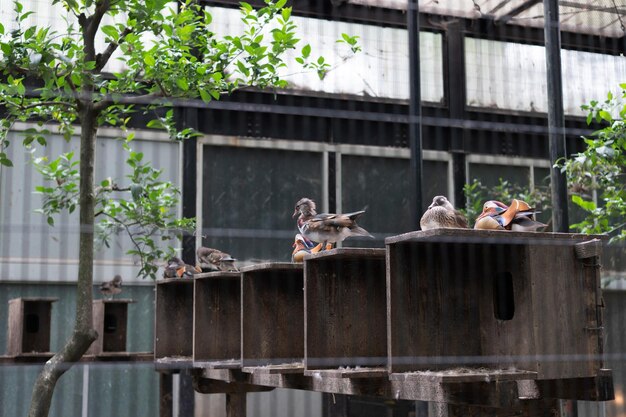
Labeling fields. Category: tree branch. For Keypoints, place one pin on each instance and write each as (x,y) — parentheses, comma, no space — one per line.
(103,58)
(75,347)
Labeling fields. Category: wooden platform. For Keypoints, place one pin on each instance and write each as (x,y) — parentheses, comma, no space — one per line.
(451,316)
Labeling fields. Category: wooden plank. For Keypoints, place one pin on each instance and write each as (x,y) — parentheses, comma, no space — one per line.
(174,319)
(225,364)
(97,309)
(272,314)
(290,368)
(217,317)
(15,327)
(492,236)
(348,373)
(526,408)
(165,395)
(589,249)
(568,298)
(597,388)
(236,404)
(506,287)
(432,305)
(340,328)
(463,375)
(216,386)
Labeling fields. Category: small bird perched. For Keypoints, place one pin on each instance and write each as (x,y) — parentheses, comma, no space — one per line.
(110,288)
(441,213)
(302,246)
(176,268)
(498,216)
(326,227)
(215,260)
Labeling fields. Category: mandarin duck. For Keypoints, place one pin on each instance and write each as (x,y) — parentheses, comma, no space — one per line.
(441,213)
(326,227)
(302,246)
(110,288)
(215,260)
(498,216)
(176,268)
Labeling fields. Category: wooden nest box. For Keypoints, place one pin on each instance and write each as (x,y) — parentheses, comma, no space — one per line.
(495,299)
(29,326)
(110,319)
(174,320)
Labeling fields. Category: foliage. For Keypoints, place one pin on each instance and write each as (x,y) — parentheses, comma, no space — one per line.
(476,194)
(145,210)
(598,173)
(168,52)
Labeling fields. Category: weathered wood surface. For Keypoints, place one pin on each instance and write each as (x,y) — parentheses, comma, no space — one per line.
(110,320)
(492,236)
(526,408)
(174,318)
(358,372)
(224,364)
(345,308)
(464,375)
(29,324)
(481,298)
(492,394)
(272,314)
(290,368)
(217,317)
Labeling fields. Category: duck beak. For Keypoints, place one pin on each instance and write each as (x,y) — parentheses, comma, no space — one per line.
(295,213)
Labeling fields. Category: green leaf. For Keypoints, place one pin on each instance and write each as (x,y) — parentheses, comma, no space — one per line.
(280,4)
(306,51)
(286,13)
(584,204)
(111,31)
(148,59)
(204,95)
(6,162)
(182,84)
(1,29)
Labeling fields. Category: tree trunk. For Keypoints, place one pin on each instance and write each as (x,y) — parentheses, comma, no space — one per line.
(84,334)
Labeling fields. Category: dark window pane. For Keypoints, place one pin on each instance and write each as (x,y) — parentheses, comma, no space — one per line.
(382,186)
(249,196)
(490,175)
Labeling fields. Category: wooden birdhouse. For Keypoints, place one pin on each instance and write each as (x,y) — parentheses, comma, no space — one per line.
(174,320)
(110,319)
(217,318)
(29,326)
(496,299)
(345,315)
(272,314)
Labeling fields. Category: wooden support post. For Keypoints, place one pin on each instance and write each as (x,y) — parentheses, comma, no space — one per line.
(527,408)
(236,404)
(165,394)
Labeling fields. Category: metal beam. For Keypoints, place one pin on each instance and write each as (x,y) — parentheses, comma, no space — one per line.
(519,9)
(556,118)
(415,113)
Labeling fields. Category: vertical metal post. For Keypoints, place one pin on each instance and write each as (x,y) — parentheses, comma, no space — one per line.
(556,119)
(455,94)
(415,113)
(188,118)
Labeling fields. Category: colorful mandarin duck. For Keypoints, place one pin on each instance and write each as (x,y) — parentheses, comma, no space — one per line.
(175,267)
(302,246)
(110,288)
(326,227)
(498,216)
(215,260)
(441,213)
